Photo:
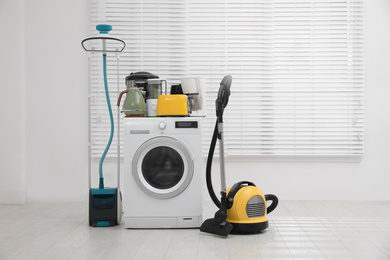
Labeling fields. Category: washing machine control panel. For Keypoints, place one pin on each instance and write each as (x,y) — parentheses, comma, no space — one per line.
(177,126)
(185,125)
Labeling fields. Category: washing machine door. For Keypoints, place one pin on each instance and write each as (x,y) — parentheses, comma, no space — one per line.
(163,167)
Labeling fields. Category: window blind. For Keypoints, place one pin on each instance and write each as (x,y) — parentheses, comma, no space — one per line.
(297,68)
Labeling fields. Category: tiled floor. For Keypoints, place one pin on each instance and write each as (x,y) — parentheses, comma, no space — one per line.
(298,230)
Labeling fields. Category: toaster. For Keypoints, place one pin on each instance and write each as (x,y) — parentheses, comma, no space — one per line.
(172,105)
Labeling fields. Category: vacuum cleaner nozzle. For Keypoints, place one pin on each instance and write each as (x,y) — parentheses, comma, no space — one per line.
(217,225)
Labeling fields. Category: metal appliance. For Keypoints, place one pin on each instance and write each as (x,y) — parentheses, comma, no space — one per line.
(134,104)
(172,105)
(105,204)
(153,91)
(194,88)
(242,208)
(139,79)
(163,173)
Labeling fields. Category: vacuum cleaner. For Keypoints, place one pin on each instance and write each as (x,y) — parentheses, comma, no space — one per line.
(105,204)
(242,207)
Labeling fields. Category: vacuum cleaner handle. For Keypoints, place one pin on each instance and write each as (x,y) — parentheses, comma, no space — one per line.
(248,183)
(223,97)
(235,188)
(274,200)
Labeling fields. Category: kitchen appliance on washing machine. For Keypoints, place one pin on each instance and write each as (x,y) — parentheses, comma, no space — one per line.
(163,173)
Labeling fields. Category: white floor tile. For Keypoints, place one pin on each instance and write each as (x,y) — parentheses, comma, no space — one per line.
(298,230)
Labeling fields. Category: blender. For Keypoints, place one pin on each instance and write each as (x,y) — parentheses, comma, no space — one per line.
(153,91)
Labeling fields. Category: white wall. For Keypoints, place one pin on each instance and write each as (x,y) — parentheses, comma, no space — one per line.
(12,102)
(57,88)
(56,115)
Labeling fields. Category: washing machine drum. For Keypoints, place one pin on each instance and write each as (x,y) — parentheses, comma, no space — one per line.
(163,167)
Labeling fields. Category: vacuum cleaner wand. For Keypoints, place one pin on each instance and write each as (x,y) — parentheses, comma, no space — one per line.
(220,104)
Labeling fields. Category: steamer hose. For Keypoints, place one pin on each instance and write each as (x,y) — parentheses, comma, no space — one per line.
(101,180)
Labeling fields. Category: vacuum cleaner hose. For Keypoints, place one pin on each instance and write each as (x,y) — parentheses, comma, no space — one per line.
(101,181)
(210,156)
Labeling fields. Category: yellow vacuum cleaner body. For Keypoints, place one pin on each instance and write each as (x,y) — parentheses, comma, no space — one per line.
(246,208)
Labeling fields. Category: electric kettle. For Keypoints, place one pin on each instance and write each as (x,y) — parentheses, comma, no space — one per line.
(134,105)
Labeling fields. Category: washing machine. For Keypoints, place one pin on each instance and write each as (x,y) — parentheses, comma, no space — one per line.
(163,172)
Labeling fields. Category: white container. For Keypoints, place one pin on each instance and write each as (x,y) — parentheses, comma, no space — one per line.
(194,88)
(151,107)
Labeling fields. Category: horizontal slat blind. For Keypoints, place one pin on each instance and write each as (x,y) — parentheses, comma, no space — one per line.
(297,68)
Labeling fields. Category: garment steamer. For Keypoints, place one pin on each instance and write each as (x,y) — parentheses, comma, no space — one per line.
(105,204)
(242,208)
